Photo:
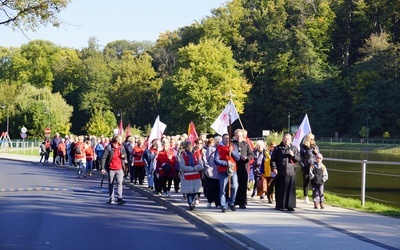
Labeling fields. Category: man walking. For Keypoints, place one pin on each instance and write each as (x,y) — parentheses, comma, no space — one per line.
(225,159)
(112,162)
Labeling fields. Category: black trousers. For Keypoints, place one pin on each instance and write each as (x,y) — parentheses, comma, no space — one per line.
(212,191)
(243,177)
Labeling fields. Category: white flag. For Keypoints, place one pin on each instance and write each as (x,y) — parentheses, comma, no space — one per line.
(156,131)
(220,125)
(303,129)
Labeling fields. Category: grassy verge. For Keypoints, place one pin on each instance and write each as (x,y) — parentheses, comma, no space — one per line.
(350,203)
(382,148)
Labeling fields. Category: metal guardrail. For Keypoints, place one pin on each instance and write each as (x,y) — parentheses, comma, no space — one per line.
(364,174)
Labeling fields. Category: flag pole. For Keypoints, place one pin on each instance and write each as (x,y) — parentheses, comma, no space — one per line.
(229,145)
(230,153)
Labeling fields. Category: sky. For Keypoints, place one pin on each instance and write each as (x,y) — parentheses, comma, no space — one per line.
(108,21)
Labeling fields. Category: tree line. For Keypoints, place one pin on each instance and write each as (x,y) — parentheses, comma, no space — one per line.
(336,61)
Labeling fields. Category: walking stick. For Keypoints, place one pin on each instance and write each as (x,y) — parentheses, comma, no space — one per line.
(102,180)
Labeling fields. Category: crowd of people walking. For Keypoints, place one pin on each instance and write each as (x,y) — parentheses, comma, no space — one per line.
(223,169)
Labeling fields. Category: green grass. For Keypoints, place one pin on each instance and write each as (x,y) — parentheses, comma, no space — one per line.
(350,203)
(382,148)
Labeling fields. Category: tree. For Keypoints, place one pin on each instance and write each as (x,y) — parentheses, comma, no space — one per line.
(101,123)
(135,88)
(37,109)
(29,14)
(205,74)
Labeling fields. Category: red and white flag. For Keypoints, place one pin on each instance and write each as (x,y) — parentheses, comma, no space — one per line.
(128,130)
(192,134)
(156,131)
(303,129)
(220,125)
(120,128)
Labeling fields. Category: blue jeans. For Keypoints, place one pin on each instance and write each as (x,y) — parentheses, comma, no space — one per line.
(223,183)
(81,167)
(149,174)
(89,166)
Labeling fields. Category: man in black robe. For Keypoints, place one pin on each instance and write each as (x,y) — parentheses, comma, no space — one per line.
(283,162)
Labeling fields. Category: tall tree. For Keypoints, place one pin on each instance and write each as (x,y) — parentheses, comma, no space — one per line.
(29,14)
(205,74)
(135,88)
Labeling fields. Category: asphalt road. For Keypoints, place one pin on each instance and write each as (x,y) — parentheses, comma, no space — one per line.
(47,207)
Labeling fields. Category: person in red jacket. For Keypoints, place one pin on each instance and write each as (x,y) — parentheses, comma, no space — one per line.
(61,152)
(166,165)
(112,163)
(89,152)
(80,157)
(225,158)
(138,162)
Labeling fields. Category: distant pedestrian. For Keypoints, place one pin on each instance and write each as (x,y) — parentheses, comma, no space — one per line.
(42,151)
(283,163)
(112,163)
(190,167)
(267,173)
(165,167)
(61,152)
(226,157)
(308,151)
(89,153)
(80,157)
(54,145)
(318,176)
(211,185)
(99,152)
(258,165)
(138,162)
(246,155)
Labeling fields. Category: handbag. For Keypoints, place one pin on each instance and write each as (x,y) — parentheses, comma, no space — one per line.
(261,186)
(166,167)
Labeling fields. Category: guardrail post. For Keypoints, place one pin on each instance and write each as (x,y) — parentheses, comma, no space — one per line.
(363,178)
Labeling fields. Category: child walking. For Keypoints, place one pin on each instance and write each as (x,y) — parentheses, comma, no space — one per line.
(318,176)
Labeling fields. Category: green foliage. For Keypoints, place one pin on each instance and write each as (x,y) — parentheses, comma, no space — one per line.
(386,135)
(37,109)
(101,123)
(29,14)
(363,132)
(205,74)
(274,137)
(135,89)
(336,61)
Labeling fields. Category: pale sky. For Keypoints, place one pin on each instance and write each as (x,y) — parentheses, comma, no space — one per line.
(132,20)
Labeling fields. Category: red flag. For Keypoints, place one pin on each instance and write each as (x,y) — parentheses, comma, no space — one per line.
(251,145)
(120,129)
(128,130)
(192,134)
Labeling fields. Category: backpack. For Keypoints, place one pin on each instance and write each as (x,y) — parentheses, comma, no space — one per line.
(78,150)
